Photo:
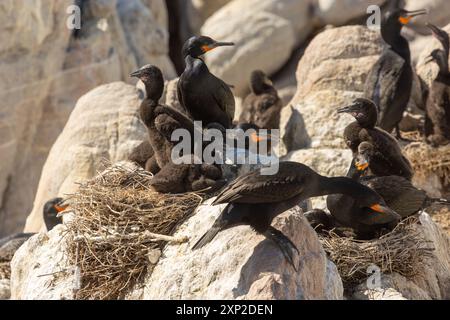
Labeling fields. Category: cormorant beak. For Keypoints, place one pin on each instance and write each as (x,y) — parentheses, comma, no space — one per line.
(214,45)
(407,17)
(136,73)
(441,35)
(60,208)
(349,109)
(256,137)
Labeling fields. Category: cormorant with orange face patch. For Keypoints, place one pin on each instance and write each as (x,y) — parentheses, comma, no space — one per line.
(204,96)
(389,83)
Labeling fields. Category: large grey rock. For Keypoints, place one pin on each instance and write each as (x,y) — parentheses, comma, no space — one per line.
(47,67)
(263,40)
(5,292)
(331,74)
(103,126)
(338,12)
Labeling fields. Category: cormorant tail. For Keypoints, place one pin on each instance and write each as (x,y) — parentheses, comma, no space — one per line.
(207,237)
(219,224)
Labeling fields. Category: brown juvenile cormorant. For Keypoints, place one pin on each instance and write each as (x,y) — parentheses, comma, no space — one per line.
(255,199)
(388,159)
(262,106)
(204,96)
(389,82)
(398,193)
(160,120)
(438,104)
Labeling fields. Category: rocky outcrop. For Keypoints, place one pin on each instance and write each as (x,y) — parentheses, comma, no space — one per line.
(331,73)
(237,264)
(433,282)
(47,67)
(254,24)
(104,126)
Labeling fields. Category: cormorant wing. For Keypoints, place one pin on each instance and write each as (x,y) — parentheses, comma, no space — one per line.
(182,121)
(383,80)
(224,98)
(256,188)
(180,93)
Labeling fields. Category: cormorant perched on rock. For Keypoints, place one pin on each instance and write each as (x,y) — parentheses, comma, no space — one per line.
(389,83)
(160,120)
(255,199)
(262,106)
(438,104)
(204,96)
(10,244)
(388,159)
(398,193)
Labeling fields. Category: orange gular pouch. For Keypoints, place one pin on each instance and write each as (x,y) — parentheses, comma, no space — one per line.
(404,20)
(206,48)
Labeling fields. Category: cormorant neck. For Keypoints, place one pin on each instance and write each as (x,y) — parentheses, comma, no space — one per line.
(368,121)
(154,90)
(398,44)
(341,185)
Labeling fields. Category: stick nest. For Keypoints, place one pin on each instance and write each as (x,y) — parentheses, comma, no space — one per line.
(426,159)
(112,235)
(404,250)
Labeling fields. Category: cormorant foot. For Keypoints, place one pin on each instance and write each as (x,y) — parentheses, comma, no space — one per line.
(286,246)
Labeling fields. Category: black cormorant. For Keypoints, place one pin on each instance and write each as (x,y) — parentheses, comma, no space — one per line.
(255,199)
(438,104)
(398,193)
(262,106)
(389,82)
(388,158)
(204,96)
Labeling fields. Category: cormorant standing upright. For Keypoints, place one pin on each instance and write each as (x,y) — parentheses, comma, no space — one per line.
(437,128)
(388,158)
(389,83)
(255,199)
(160,120)
(262,107)
(204,96)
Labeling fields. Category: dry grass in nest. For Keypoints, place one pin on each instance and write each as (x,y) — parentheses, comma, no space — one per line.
(404,250)
(426,159)
(119,229)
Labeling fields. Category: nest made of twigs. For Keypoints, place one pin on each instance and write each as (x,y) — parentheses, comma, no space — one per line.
(116,217)
(404,250)
(426,159)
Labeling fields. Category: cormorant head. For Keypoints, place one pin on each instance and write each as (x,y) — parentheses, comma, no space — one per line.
(260,82)
(51,210)
(440,56)
(197,46)
(365,152)
(364,110)
(396,19)
(153,79)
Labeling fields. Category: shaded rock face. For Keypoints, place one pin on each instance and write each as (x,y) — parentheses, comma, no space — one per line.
(104,125)
(39,93)
(432,283)
(237,264)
